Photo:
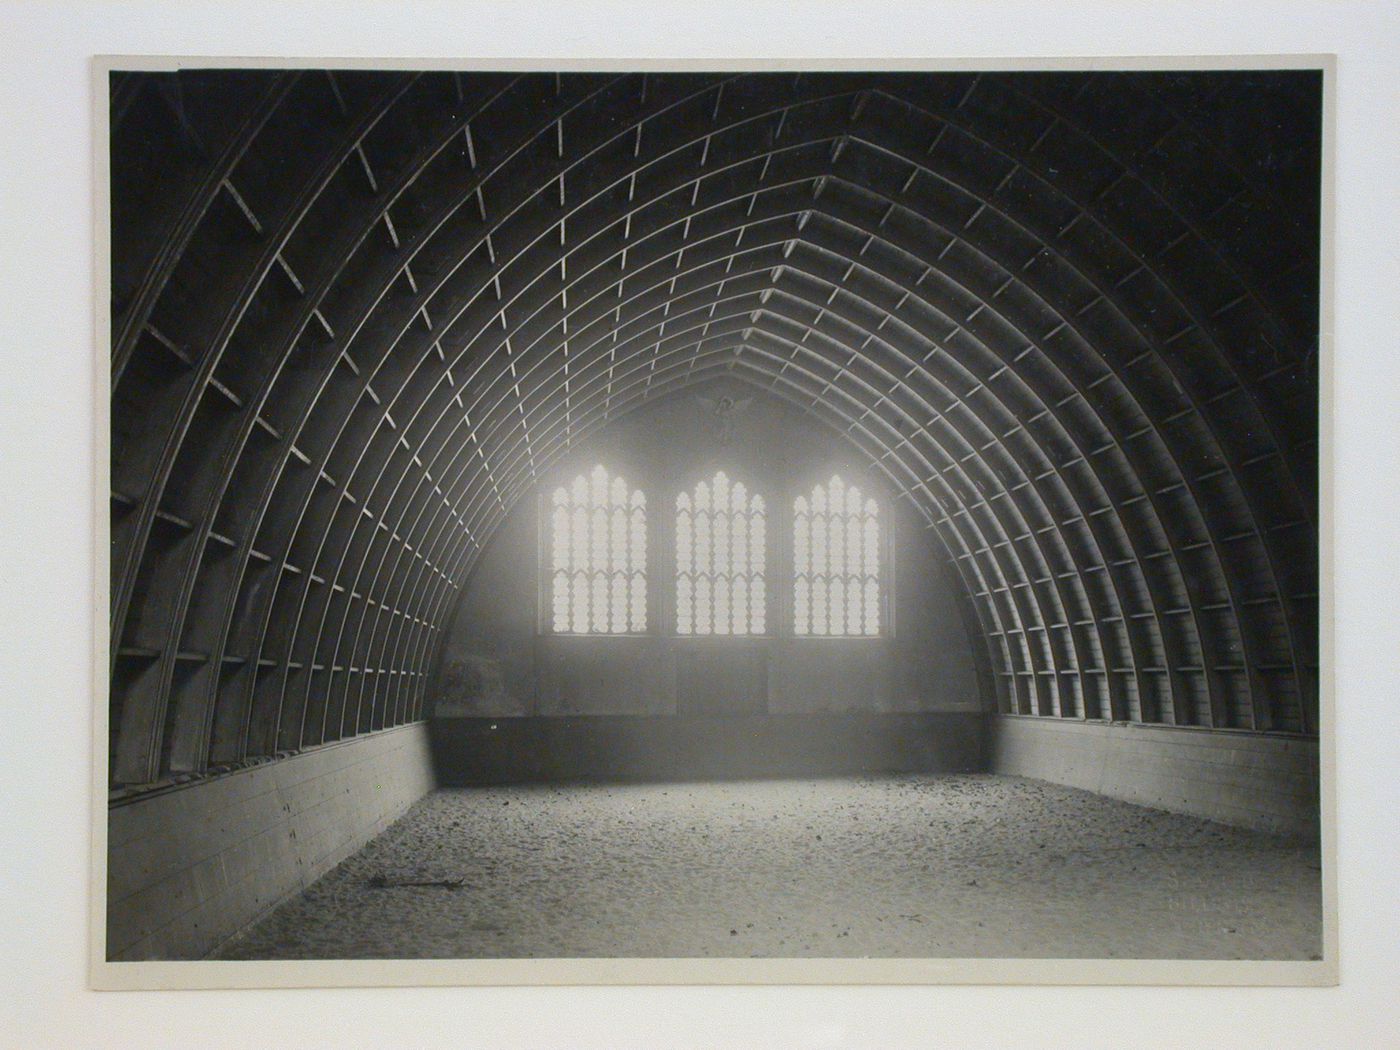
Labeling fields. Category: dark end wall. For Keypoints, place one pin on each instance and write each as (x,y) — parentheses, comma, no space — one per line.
(496,661)
(470,751)
(513,702)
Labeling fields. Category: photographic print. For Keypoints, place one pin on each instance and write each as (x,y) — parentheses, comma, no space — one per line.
(666,524)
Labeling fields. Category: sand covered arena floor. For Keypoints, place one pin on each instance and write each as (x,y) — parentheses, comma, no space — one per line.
(912,866)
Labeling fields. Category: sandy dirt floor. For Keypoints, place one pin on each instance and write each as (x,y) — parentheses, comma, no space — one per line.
(911,866)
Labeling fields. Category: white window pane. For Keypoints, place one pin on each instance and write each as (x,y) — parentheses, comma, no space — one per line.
(719,557)
(722,615)
(578,538)
(685,606)
(638,611)
(618,604)
(598,547)
(723,565)
(579,613)
(836,559)
(704,616)
(705,543)
(598,539)
(685,552)
(819,621)
(598,608)
(836,588)
(617,538)
(637,560)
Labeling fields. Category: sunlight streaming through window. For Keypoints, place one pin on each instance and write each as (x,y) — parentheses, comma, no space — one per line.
(720,547)
(598,556)
(836,562)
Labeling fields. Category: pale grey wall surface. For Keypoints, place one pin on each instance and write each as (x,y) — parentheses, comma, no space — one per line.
(190,867)
(1269,783)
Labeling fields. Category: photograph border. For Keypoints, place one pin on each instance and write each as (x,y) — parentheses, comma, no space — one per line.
(209,974)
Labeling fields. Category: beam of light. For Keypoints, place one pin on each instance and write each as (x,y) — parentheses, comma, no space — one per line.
(721,535)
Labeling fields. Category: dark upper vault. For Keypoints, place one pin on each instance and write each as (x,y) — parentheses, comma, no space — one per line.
(1071,317)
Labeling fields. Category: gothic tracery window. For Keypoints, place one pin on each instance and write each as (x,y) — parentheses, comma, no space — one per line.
(598,552)
(720,547)
(836,562)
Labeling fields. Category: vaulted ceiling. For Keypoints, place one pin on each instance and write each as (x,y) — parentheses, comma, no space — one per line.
(1072,317)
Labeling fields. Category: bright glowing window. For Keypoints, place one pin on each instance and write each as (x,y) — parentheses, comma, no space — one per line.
(598,555)
(836,561)
(720,545)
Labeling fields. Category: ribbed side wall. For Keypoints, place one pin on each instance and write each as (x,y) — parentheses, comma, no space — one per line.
(1071,318)
(1269,783)
(190,867)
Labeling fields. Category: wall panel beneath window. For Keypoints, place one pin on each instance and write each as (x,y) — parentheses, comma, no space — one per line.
(472,751)
(598,676)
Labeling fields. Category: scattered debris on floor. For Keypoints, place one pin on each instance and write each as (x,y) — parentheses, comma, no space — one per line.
(935,866)
(384,882)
